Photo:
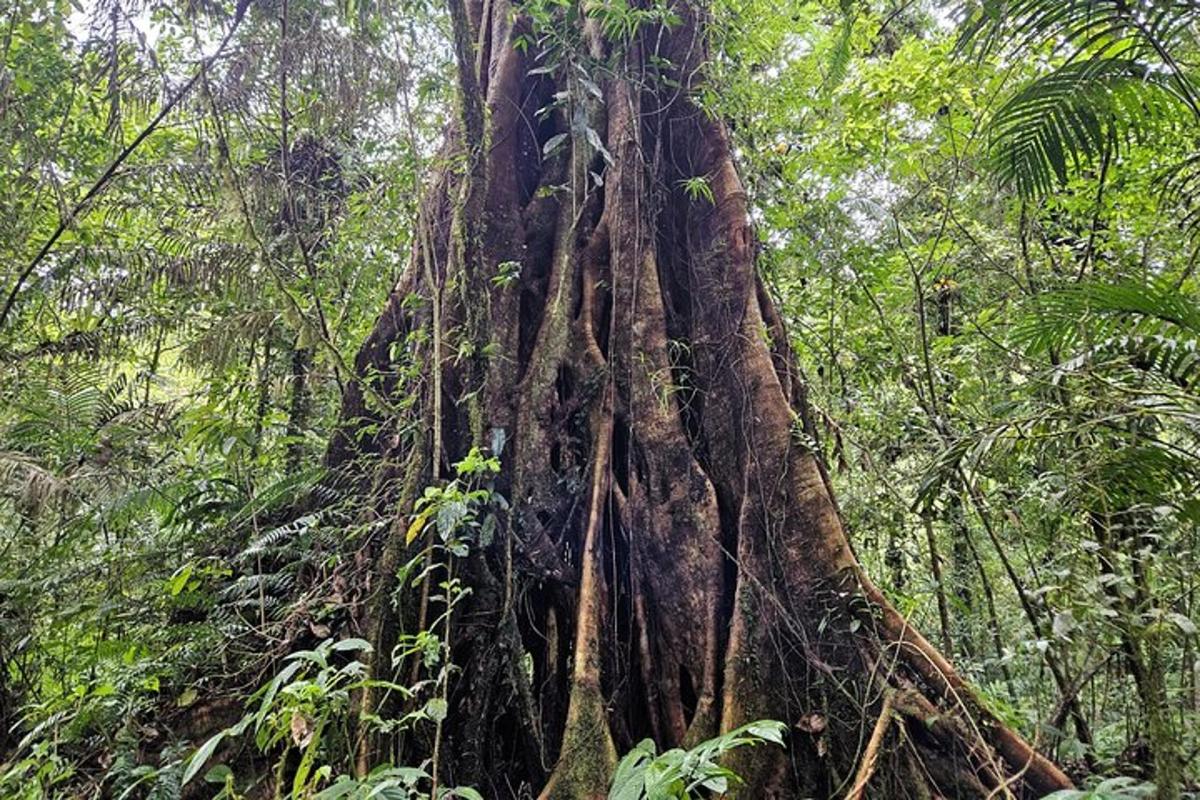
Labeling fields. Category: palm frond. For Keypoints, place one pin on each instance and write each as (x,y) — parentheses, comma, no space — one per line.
(105,337)
(1172,359)
(1071,319)
(1137,343)
(1073,115)
(1086,28)
(1120,76)
(1182,191)
(219,343)
(90,273)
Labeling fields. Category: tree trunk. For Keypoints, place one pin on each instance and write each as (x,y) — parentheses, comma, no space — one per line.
(673,564)
(297,423)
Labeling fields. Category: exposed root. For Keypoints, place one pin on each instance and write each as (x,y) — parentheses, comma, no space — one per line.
(871,756)
(588,756)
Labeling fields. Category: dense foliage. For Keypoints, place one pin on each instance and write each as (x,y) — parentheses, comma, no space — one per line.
(981,224)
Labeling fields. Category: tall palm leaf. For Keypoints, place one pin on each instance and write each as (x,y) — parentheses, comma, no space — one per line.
(1121,79)
(1074,115)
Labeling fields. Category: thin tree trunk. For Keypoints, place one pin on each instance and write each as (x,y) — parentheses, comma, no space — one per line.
(1144,661)
(935,568)
(297,423)
(264,396)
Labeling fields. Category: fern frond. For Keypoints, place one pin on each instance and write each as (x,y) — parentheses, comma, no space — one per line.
(250,589)
(287,489)
(279,536)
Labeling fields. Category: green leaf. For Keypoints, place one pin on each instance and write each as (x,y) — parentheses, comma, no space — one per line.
(218,774)
(436,709)
(628,782)
(198,759)
(768,730)
(180,579)
(343,786)
(1183,623)
(300,780)
(361,645)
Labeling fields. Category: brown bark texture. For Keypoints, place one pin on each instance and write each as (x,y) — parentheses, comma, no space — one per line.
(673,564)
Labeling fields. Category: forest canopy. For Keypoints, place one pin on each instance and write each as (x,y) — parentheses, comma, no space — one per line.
(571,399)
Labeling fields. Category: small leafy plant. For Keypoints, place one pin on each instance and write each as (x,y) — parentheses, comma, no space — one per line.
(308,697)
(1120,788)
(294,709)
(683,774)
(391,783)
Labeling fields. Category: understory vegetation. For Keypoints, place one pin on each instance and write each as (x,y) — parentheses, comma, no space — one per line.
(498,399)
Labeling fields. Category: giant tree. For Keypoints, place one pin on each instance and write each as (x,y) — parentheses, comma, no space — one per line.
(583,300)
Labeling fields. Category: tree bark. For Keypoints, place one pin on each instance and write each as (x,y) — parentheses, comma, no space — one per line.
(673,564)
